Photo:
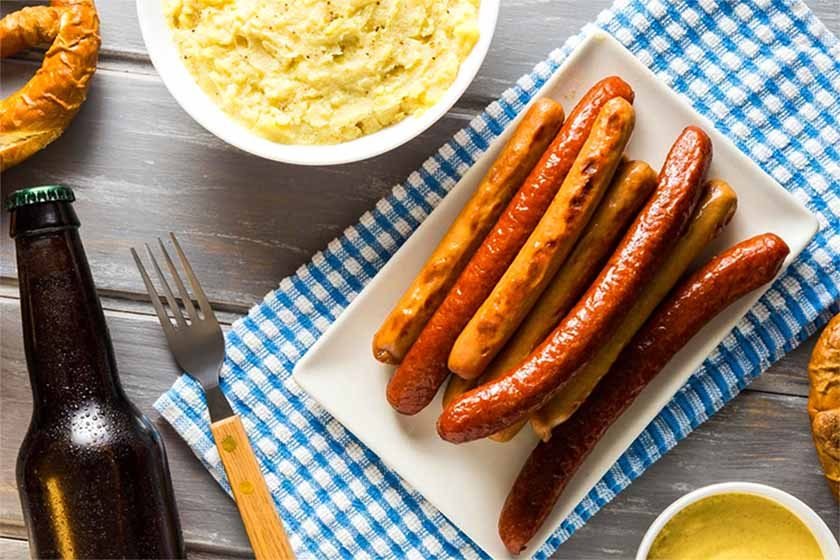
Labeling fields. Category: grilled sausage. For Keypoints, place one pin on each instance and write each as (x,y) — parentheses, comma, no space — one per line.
(424,368)
(496,405)
(549,244)
(457,386)
(715,210)
(700,297)
(403,325)
(632,186)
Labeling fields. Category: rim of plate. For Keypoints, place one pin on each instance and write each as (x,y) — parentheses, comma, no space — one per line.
(196,103)
(823,535)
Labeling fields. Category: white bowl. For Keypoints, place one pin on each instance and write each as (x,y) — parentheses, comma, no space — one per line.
(826,540)
(182,86)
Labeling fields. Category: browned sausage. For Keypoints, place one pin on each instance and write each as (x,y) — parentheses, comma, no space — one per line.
(424,368)
(691,305)
(525,147)
(716,208)
(595,247)
(631,187)
(501,403)
(549,244)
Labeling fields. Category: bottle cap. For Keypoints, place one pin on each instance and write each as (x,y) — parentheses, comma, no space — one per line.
(37,195)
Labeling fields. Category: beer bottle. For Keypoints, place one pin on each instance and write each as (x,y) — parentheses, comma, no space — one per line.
(92,471)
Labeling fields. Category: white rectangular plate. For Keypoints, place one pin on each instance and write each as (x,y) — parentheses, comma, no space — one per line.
(340,372)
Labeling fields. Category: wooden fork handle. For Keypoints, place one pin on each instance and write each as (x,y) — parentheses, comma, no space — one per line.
(265,531)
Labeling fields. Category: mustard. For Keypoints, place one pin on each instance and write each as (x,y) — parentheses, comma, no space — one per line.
(735,526)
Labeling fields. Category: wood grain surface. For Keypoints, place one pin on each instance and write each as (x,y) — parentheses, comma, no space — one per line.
(265,531)
(141,167)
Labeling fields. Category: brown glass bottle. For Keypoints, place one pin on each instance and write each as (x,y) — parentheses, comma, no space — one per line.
(92,470)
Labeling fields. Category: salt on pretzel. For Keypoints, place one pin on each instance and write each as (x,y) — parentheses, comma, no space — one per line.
(38,113)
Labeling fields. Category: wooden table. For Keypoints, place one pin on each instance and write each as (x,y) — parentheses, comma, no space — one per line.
(142,167)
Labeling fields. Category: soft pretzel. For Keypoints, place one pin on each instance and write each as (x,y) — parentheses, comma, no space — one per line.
(38,113)
(824,402)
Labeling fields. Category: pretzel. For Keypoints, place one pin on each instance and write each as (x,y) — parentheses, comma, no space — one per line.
(824,402)
(38,113)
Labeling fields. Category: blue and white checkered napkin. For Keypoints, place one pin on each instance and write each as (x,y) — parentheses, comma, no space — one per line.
(766,72)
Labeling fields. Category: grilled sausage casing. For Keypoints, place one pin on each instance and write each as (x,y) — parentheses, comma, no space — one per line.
(549,244)
(631,187)
(715,210)
(737,271)
(424,367)
(530,139)
(496,405)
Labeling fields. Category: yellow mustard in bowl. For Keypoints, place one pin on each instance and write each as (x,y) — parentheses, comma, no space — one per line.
(323,71)
(735,526)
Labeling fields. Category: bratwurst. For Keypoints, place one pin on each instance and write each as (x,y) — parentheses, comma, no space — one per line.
(693,303)
(411,313)
(424,368)
(501,403)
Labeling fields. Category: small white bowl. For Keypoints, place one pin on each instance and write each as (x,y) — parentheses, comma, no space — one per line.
(179,82)
(826,540)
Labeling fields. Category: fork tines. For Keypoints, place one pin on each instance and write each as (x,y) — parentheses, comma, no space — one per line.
(186,300)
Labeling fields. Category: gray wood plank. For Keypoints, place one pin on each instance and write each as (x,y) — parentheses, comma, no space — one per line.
(118,302)
(756,438)
(12,549)
(761,436)
(15,549)
(526,32)
(512,53)
(133,153)
(141,167)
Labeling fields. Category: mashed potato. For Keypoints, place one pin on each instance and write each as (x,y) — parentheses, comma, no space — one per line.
(323,71)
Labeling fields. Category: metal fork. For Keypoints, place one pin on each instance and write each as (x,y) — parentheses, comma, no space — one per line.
(199,349)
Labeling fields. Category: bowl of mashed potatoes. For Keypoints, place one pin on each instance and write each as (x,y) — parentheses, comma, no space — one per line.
(317,82)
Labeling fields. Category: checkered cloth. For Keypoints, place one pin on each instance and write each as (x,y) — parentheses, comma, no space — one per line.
(765,72)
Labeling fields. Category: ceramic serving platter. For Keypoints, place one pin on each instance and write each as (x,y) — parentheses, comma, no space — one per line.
(468,483)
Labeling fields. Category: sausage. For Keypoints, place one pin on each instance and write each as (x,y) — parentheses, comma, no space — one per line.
(501,403)
(715,211)
(424,367)
(633,185)
(403,325)
(456,387)
(549,244)
(697,299)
